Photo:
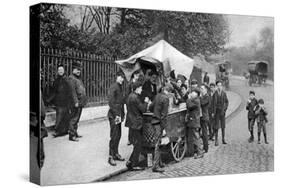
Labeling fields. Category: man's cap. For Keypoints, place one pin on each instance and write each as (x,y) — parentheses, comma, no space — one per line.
(261,101)
(60,65)
(183,85)
(168,87)
(120,73)
(136,85)
(218,81)
(194,81)
(212,84)
(77,65)
(252,92)
(196,90)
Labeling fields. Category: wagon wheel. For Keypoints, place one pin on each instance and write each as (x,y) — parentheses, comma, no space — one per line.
(178,148)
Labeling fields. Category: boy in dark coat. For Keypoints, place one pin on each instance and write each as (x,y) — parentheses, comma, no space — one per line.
(261,114)
(159,107)
(136,108)
(250,106)
(129,90)
(210,110)
(204,101)
(149,88)
(115,117)
(193,122)
(220,105)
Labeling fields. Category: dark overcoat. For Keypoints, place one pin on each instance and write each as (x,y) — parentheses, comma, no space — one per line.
(61,92)
(193,113)
(78,91)
(220,108)
(116,101)
(160,107)
(250,106)
(211,104)
(149,90)
(205,102)
(135,110)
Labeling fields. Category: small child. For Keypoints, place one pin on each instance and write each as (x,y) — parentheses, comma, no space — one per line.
(261,118)
(251,104)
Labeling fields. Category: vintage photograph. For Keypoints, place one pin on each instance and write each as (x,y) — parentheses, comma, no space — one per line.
(133,94)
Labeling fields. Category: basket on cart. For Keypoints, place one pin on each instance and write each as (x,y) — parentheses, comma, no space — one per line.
(175,135)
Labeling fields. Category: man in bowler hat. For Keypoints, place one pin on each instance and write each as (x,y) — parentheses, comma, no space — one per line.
(79,100)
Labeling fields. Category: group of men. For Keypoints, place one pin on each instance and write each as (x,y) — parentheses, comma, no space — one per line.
(206,109)
(69,97)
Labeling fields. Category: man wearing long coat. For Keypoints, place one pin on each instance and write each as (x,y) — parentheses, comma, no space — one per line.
(61,98)
(220,105)
(115,116)
(79,100)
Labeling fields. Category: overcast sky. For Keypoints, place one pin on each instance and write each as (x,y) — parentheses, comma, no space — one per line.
(244,28)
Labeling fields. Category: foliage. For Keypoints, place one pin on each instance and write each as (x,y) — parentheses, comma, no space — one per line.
(121,32)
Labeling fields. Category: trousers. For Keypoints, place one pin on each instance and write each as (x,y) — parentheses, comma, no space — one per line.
(251,123)
(157,152)
(115,136)
(137,143)
(74,120)
(193,137)
(204,125)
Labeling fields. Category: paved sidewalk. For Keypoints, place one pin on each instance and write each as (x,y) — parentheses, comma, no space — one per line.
(97,113)
(86,161)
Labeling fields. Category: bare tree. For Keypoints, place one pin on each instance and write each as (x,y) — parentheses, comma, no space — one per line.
(102,17)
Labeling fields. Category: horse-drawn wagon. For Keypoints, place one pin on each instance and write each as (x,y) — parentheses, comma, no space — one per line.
(258,72)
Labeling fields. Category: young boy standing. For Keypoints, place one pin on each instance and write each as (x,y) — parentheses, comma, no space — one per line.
(261,114)
(251,104)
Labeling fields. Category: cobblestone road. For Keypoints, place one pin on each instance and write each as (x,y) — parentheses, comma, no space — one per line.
(238,156)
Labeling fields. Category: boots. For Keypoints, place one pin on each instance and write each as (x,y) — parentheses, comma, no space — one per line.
(73,138)
(251,139)
(216,138)
(265,138)
(223,135)
(259,138)
(111,161)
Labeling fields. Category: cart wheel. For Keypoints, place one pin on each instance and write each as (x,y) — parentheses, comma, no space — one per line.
(178,148)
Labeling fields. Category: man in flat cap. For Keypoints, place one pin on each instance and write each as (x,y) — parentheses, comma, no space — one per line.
(220,105)
(194,84)
(79,100)
(136,107)
(115,116)
(159,107)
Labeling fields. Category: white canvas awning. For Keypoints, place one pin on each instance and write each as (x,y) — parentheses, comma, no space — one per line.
(161,52)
